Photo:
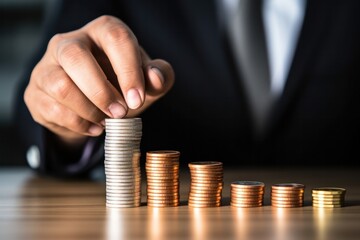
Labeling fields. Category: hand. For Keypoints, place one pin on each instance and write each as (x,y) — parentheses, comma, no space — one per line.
(92,73)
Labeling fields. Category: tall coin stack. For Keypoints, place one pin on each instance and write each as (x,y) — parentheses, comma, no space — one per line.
(162,174)
(206,184)
(328,197)
(247,194)
(287,195)
(122,162)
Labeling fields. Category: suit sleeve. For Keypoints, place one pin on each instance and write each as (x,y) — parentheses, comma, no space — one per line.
(42,152)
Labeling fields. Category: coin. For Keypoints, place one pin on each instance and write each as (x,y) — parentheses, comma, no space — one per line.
(328,197)
(328,190)
(122,162)
(287,195)
(206,184)
(162,173)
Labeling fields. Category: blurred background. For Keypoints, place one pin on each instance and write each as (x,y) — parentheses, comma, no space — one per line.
(20,31)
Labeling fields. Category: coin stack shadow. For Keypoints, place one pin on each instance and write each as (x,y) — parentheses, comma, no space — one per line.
(328,197)
(162,174)
(206,184)
(247,194)
(287,195)
(122,162)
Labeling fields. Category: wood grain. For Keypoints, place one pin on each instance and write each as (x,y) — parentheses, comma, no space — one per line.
(33,207)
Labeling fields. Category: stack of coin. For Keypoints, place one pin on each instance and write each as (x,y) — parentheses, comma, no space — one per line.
(122,162)
(247,194)
(162,174)
(206,184)
(328,197)
(287,195)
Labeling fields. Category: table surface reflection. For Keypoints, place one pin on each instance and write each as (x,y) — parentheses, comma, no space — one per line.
(33,207)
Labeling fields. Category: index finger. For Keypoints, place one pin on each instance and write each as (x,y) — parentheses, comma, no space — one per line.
(121,46)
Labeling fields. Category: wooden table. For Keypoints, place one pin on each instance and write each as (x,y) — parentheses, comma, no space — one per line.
(33,207)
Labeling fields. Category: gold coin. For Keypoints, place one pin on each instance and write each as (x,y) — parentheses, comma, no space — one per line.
(328,190)
(327,202)
(327,205)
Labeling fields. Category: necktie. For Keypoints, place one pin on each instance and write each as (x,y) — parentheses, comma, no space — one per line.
(246,32)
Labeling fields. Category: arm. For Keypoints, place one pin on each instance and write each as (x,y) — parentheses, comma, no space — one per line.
(84,76)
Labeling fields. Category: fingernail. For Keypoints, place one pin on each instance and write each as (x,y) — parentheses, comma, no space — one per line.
(159,74)
(117,110)
(133,98)
(95,129)
(102,123)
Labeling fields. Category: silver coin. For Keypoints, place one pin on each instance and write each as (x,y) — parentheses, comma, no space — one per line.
(126,136)
(124,189)
(110,176)
(123,178)
(112,165)
(122,120)
(112,127)
(124,130)
(122,143)
(122,161)
(135,127)
(125,148)
(134,144)
(115,189)
(110,205)
(122,154)
(124,158)
(122,170)
(123,204)
(134,147)
(124,193)
(120,183)
(127,189)
(123,197)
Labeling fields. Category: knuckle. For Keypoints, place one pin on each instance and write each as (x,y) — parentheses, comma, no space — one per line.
(76,123)
(104,19)
(71,52)
(100,96)
(118,34)
(56,39)
(53,112)
(61,88)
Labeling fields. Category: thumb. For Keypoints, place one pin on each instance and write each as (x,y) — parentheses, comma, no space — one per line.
(159,78)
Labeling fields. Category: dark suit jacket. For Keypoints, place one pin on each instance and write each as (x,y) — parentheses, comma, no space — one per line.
(206,116)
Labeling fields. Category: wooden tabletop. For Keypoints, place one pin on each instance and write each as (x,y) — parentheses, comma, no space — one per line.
(33,207)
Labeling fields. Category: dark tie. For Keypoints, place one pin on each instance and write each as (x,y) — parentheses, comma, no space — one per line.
(247,37)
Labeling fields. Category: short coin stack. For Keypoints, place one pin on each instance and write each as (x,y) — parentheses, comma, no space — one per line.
(328,197)
(247,194)
(122,162)
(287,195)
(206,184)
(162,173)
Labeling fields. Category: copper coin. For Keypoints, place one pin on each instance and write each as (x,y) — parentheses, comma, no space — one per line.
(205,164)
